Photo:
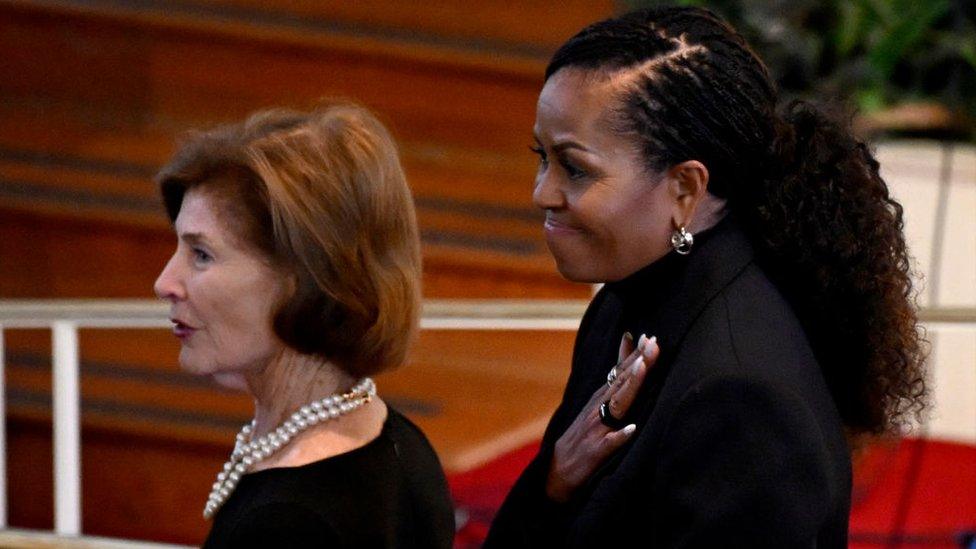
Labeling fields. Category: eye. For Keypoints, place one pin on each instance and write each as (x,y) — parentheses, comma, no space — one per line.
(543,159)
(201,257)
(572,171)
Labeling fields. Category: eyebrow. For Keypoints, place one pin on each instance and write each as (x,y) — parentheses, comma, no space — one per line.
(193,238)
(564,145)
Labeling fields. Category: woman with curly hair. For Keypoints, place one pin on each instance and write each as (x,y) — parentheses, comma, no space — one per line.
(762,252)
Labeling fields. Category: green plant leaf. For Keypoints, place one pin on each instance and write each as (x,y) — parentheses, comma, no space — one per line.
(881,9)
(870,100)
(909,27)
(852,20)
(952,44)
(967,50)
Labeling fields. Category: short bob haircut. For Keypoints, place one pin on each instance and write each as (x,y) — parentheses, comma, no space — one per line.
(322,196)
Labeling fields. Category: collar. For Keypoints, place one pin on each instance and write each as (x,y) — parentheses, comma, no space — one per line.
(664,298)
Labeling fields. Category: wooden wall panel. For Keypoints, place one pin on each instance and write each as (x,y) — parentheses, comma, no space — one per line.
(132,486)
(92,97)
(59,256)
(186,76)
(529,26)
(96,111)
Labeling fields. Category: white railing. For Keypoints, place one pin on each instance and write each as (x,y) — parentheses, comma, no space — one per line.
(66,317)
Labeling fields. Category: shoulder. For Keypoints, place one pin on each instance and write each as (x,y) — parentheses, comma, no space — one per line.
(409,442)
(743,458)
(400,458)
(747,357)
(757,310)
(276,524)
(756,429)
(729,402)
(750,330)
(425,484)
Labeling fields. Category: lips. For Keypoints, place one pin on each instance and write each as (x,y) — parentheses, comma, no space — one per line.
(181,329)
(553,226)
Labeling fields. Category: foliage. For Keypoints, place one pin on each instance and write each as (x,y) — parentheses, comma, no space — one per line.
(876,53)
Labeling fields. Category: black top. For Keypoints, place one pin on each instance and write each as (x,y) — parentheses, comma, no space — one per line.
(738,442)
(389,493)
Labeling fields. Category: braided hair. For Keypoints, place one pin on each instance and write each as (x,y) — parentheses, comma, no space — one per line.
(807,192)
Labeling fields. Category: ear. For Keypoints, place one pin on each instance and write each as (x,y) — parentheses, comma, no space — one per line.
(687,185)
(288,289)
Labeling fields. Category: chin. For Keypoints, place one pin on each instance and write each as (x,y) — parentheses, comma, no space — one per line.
(574,272)
(200,366)
(193,361)
(191,364)
(572,269)
(232,381)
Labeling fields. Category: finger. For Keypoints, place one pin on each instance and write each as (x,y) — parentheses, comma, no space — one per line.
(626,347)
(650,351)
(629,354)
(626,353)
(624,394)
(626,367)
(601,394)
(613,440)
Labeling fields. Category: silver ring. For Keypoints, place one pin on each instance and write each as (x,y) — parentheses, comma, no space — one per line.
(612,376)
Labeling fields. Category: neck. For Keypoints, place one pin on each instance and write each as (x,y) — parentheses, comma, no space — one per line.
(710,211)
(290,381)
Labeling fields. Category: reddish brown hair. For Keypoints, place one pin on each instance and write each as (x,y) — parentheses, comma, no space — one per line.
(322,196)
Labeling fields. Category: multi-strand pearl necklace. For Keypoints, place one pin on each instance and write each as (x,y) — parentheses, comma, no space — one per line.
(249,452)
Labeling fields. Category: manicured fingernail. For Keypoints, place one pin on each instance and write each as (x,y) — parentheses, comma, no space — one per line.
(648,348)
(629,430)
(629,337)
(641,342)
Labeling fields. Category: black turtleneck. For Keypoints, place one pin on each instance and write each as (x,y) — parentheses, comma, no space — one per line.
(735,396)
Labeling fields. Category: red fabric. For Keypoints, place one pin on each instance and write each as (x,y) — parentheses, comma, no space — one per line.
(933,481)
(939,507)
(479,493)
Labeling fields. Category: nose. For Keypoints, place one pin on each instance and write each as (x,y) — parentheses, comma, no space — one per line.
(169,284)
(547,195)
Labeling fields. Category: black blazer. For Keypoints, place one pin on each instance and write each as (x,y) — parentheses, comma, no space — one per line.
(739,442)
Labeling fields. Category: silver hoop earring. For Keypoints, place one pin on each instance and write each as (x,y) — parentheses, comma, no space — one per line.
(682,241)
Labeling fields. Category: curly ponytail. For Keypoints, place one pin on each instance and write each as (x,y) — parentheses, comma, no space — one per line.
(808,193)
(831,236)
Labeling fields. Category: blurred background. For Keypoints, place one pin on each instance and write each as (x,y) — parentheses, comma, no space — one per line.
(95,93)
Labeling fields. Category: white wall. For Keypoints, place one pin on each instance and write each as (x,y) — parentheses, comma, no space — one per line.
(935,211)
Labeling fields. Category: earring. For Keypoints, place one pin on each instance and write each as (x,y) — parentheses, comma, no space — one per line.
(682,241)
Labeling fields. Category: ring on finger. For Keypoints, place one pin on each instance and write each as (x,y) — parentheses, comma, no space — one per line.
(612,376)
(608,419)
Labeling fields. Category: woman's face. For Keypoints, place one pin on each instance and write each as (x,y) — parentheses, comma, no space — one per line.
(606,216)
(222,296)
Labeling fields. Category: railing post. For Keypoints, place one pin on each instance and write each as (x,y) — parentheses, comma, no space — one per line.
(3,436)
(67,430)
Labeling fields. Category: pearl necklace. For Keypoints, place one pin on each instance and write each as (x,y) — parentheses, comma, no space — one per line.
(249,452)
